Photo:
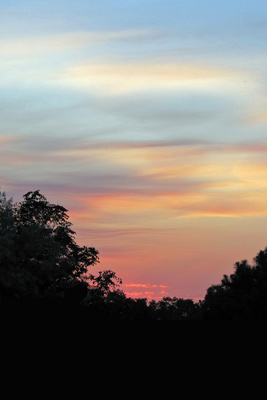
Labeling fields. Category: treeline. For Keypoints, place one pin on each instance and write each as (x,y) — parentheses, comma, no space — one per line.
(43,271)
(98,307)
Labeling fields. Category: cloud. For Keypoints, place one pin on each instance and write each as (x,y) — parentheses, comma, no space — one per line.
(56,42)
(256,118)
(6,140)
(158,291)
(116,79)
(144,285)
(144,183)
(29,61)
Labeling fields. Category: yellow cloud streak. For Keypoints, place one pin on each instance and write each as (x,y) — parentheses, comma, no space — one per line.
(159,209)
(169,182)
(120,78)
(215,184)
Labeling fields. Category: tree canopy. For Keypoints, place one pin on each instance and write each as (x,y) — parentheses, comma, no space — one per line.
(242,295)
(38,251)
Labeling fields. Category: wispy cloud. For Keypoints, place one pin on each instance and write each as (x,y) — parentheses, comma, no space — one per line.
(140,179)
(32,60)
(256,118)
(157,292)
(145,285)
(56,42)
(148,124)
(121,78)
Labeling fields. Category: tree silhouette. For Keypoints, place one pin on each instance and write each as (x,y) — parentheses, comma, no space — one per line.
(242,295)
(41,261)
(38,252)
(105,282)
(172,308)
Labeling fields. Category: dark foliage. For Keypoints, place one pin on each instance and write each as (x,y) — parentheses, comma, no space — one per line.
(242,295)
(38,253)
(172,308)
(43,272)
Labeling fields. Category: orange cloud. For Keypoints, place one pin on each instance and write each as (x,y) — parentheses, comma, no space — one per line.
(152,184)
(176,181)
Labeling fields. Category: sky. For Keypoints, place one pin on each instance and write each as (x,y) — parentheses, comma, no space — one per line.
(147,120)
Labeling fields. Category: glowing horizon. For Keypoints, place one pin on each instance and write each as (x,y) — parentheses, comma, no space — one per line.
(147,121)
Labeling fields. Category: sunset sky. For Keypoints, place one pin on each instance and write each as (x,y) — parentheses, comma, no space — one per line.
(147,120)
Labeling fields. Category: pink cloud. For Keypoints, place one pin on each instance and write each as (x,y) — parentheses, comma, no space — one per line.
(144,285)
